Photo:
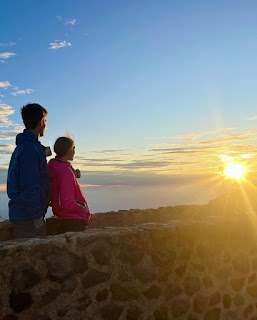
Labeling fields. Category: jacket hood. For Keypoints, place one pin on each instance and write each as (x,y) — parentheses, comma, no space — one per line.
(55,167)
(26,136)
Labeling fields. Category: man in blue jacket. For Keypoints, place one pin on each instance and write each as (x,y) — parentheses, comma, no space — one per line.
(27,182)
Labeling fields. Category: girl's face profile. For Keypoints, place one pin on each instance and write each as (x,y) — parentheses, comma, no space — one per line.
(71,152)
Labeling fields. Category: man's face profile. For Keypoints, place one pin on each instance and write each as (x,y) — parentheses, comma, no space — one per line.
(43,126)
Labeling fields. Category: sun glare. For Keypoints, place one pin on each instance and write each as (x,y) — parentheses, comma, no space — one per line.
(234,170)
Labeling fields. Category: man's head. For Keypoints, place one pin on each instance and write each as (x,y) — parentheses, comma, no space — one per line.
(34,118)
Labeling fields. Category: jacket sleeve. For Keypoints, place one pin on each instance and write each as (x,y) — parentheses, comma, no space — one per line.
(30,184)
(67,192)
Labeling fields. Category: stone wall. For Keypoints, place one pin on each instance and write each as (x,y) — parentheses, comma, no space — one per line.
(183,269)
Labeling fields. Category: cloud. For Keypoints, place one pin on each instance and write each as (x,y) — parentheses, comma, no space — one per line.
(3,61)
(109,151)
(5,111)
(71,21)
(9,134)
(27,91)
(67,21)
(9,44)
(59,44)
(6,148)
(6,55)
(252,118)
(5,84)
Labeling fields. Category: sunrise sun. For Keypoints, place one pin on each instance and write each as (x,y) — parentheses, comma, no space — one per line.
(234,170)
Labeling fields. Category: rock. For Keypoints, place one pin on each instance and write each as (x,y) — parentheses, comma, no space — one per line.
(192,317)
(134,312)
(124,276)
(232,315)
(173,290)
(48,297)
(62,312)
(237,284)
(101,254)
(84,302)
(62,264)
(24,277)
(179,307)
(199,304)
(208,282)
(248,311)
(144,274)
(111,311)
(239,300)
(215,299)
(102,295)
(192,285)
(241,264)
(10,317)
(161,313)
(131,254)
(162,258)
(252,291)
(95,277)
(252,278)
(124,293)
(227,301)
(20,301)
(69,285)
(153,292)
(42,317)
(213,314)
(181,270)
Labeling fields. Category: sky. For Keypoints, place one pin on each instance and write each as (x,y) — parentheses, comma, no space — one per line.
(157,95)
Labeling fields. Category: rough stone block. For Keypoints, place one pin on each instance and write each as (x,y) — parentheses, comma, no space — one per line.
(192,285)
(153,292)
(95,277)
(24,277)
(124,293)
(111,311)
(179,307)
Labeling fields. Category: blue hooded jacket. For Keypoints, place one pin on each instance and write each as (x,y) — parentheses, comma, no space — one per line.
(28,180)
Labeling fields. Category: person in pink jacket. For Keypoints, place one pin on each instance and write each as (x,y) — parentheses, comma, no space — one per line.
(67,199)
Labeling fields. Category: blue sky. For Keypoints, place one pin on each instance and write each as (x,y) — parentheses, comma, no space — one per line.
(148,89)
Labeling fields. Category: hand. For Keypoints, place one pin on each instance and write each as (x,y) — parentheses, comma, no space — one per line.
(86,209)
(38,223)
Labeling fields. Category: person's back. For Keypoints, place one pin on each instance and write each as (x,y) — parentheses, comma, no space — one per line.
(28,182)
(67,199)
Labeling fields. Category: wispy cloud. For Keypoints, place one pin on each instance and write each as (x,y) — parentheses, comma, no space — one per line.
(252,118)
(5,84)
(6,55)
(68,21)
(71,21)
(10,134)
(59,44)
(26,91)
(8,44)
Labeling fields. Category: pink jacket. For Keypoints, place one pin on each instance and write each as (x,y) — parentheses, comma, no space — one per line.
(66,193)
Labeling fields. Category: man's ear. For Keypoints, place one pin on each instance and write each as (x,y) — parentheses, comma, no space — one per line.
(40,122)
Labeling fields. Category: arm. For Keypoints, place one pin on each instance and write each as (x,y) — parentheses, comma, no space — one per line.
(67,192)
(30,183)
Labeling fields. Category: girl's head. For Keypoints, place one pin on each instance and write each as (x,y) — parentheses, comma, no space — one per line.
(64,148)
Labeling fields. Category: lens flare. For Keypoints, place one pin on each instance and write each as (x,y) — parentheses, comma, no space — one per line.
(234,170)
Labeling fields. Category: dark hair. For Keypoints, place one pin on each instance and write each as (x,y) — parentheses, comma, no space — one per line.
(62,145)
(31,113)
